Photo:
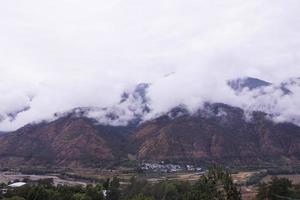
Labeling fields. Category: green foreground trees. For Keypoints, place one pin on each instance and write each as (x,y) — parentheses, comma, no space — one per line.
(217,184)
(277,189)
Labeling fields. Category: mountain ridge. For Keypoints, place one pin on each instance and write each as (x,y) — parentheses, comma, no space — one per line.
(224,138)
(216,132)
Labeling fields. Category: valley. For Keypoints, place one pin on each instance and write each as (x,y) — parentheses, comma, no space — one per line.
(247,180)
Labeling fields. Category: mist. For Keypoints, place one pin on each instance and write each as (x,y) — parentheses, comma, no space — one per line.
(61,54)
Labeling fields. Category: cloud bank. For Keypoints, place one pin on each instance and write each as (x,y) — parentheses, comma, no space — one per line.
(61,54)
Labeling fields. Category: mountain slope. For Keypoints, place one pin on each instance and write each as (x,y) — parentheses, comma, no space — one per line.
(225,138)
(67,141)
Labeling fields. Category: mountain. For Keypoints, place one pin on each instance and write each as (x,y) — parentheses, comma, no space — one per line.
(67,141)
(101,137)
(239,85)
(138,93)
(2,133)
(218,133)
(129,111)
(13,114)
(292,82)
(248,82)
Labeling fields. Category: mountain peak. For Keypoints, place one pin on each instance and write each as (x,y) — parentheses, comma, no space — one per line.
(247,82)
(139,92)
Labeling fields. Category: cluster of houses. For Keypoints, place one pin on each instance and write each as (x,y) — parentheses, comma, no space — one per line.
(193,168)
(169,168)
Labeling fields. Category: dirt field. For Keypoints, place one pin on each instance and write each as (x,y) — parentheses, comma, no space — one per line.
(294,178)
(242,177)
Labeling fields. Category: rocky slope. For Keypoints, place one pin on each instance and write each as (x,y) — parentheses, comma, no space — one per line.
(68,141)
(224,136)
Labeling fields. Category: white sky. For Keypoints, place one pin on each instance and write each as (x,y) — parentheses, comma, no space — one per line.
(70,53)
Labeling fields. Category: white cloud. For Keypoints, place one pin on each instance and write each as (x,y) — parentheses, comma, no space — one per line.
(70,53)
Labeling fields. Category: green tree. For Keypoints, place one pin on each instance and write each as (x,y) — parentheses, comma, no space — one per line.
(37,193)
(94,192)
(277,188)
(106,184)
(280,187)
(216,185)
(141,197)
(80,196)
(262,191)
(114,190)
(136,186)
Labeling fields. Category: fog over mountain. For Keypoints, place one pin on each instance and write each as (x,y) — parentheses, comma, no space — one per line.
(61,54)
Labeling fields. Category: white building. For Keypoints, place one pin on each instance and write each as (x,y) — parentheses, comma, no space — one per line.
(17,184)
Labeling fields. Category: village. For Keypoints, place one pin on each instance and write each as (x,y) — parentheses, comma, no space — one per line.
(169,168)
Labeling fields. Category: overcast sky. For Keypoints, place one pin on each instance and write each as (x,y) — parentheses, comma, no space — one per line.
(70,53)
